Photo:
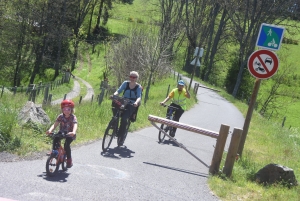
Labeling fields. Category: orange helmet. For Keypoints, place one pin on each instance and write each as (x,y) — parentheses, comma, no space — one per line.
(67,103)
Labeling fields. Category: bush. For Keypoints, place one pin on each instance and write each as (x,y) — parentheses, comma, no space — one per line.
(130,19)
(139,21)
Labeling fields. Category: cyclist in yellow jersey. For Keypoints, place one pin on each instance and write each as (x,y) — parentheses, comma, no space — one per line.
(178,97)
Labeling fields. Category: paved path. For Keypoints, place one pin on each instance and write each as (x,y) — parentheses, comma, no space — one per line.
(143,170)
(76,91)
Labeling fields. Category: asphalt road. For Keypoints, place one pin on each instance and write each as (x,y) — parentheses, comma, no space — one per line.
(143,170)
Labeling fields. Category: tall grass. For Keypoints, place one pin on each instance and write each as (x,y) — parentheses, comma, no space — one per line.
(267,142)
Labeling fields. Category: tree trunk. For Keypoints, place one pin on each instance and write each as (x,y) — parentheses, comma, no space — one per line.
(99,13)
(215,45)
(148,88)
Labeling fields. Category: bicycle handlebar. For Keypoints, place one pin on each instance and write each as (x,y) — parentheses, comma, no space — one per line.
(120,101)
(59,135)
(169,106)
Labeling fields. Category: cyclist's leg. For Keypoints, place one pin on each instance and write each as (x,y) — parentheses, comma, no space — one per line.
(67,148)
(124,119)
(54,143)
(114,108)
(176,117)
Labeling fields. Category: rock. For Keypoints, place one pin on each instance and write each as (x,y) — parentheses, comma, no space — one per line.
(31,113)
(274,173)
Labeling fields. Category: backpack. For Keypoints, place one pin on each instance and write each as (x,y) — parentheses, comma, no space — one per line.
(134,90)
(134,114)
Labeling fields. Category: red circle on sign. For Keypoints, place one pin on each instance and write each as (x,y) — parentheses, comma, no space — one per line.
(263,64)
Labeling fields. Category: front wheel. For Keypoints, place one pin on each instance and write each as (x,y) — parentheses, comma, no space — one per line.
(161,135)
(52,165)
(64,163)
(121,139)
(109,134)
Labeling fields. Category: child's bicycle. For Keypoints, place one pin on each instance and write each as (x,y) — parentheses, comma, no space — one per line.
(168,129)
(58,156)
(113,126)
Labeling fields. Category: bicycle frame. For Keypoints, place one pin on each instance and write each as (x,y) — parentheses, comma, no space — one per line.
(113,126)
(54,161)
(170,114)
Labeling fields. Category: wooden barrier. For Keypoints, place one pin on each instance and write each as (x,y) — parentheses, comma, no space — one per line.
(183,126)
(221,139)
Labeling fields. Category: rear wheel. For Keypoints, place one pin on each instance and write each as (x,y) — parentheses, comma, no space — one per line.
(121,139)
(52,165)
(109,134)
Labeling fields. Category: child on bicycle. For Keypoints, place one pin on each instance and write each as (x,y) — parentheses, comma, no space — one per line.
(133,91)
(67,122)
(178,96)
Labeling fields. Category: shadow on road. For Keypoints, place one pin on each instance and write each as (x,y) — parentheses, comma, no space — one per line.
(179,170)
(61,176)
(118,153)
(168,142)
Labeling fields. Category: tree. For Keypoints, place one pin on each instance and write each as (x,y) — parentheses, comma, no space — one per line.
(246,17)
(144,51)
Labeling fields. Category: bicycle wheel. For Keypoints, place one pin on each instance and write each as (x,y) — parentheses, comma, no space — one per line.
(109,134)
(161,135)
(121,139)
(64,164)
(52,165)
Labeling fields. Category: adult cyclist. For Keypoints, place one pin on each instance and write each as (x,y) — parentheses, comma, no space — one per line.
(178,97)
(133,91)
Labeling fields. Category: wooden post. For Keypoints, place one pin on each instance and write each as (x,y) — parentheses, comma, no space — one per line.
(249,116)
(49,99)
(2,90)
(197,88)
(46,94)
(101,96)
(284,118)
(33,95)
(15,90)
(232,151)
(218,153)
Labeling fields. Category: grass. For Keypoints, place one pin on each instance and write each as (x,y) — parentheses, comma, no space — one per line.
(267,142)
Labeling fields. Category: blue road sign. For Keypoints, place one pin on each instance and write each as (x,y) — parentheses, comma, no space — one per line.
(270,36)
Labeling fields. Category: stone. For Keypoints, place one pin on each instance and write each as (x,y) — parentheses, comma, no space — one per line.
(275,173)
(32,113)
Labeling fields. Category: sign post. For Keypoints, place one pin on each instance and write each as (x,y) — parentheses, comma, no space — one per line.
(262,64)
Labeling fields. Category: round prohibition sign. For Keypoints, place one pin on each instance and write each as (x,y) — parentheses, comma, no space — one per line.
(263,64)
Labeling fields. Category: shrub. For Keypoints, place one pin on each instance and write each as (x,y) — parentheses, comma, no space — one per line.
(130,19)
(139,21)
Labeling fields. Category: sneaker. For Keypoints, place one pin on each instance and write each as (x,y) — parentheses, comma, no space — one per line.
(69,163)
(54,153)
(172,134)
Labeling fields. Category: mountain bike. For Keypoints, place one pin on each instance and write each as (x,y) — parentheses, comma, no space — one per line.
(113,126)
(57,157)
(168,129)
